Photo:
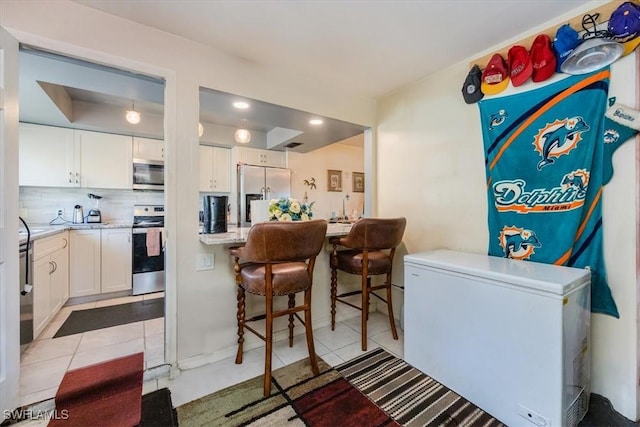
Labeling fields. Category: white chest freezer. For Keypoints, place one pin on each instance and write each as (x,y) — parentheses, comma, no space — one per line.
(510,336)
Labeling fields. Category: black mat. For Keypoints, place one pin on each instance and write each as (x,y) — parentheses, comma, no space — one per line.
(602,414)
(104,317)
(157,410)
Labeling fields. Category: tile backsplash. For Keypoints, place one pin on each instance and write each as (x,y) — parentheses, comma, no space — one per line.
(39,205)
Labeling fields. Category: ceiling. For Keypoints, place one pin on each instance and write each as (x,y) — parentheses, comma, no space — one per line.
(370,47)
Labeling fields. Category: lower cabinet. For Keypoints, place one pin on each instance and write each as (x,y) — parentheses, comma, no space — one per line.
(50,278)
(84,274)
(100,261)
(116,260)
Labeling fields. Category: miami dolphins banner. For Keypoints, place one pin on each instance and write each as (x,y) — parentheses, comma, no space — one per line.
(545,161)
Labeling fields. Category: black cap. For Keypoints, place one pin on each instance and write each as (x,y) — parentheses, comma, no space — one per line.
(471,89)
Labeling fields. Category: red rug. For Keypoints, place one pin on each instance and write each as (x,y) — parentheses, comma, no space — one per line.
(104,394)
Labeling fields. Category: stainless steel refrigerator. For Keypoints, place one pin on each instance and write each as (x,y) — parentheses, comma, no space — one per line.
(260,183)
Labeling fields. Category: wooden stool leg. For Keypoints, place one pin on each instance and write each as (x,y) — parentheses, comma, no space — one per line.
(394,332)
(334,293)
(269,343)
(365,310)
(308,327)
(292,303)
(240,316)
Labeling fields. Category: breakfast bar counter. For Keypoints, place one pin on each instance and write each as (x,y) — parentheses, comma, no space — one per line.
(214,309)
(239,234)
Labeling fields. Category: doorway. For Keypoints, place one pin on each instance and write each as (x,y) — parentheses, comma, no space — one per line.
(76,96)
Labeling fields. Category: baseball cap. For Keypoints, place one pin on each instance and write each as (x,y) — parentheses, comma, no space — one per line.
(624,26)
(495,77)
(542,58)
(520,67)
(566,40)
(471,88)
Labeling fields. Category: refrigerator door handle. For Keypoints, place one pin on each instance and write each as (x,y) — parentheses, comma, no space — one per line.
(267,194)
(263,191)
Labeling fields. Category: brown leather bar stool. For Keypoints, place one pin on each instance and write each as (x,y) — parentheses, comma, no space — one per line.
(277,260)
(371,245)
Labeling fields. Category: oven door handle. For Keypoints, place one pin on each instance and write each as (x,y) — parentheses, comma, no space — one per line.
(144,230)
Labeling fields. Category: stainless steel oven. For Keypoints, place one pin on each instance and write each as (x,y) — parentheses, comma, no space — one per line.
(148,175)
(148,249)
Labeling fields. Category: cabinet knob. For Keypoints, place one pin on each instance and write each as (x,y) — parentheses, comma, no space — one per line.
(77,178)
(70,177)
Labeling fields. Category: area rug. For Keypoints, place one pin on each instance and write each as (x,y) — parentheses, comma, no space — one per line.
(409,396)
(104,394)
(376,389)
(105,317)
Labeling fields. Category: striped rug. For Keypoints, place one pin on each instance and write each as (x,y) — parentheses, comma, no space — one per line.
(373,390)
(410,397)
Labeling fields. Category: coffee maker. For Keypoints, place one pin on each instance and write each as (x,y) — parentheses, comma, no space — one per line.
(215,214)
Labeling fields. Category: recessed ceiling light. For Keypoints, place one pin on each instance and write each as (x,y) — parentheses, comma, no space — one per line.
(241,105)
(315,122)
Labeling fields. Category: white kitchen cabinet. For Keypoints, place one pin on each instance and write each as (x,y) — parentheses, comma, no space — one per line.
(256,156)
(47,156)
(148,149)
(50,279)
(84,262)
(59,157)
(215,169)
(105,160)
(116,260)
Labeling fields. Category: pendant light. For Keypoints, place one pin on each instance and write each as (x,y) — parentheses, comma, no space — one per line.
(132,115)
(242,135)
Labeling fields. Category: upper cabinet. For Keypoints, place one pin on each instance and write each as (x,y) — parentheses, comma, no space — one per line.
(47,157)
(105,160)
(58,157)
(215,169)
(256,156)
(148,149)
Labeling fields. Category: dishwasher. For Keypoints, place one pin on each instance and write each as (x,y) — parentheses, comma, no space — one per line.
(26,288)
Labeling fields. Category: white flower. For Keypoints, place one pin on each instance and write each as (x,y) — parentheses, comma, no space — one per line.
(295,207)
(277,213)
(304,217)
(285,217)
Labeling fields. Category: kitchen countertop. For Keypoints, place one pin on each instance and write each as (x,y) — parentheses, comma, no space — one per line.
(239,234)
(39,231)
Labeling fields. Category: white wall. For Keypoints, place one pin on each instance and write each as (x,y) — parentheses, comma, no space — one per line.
(431,167)
(346,158)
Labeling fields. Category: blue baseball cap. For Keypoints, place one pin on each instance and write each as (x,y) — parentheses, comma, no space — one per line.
(624,26)
(566,40)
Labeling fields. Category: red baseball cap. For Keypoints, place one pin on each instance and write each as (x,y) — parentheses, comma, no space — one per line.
(520,67)
(543,58)
(495,77)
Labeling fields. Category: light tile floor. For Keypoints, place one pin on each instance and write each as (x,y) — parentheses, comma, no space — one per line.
(334,347)
(45,361)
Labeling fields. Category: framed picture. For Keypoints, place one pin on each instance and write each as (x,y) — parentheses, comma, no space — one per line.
(334,180)
(358,182)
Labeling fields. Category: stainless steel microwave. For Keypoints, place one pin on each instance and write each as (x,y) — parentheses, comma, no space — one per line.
(148,175)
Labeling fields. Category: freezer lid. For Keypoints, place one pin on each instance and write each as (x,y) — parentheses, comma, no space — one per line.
(550,278)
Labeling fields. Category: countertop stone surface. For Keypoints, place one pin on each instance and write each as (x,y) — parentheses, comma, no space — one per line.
(39,231)
(239,234)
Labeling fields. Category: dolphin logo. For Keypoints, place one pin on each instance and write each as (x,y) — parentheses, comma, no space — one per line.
(496,119)
(610,136)
(577,179)
(558,138)
(518,243)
